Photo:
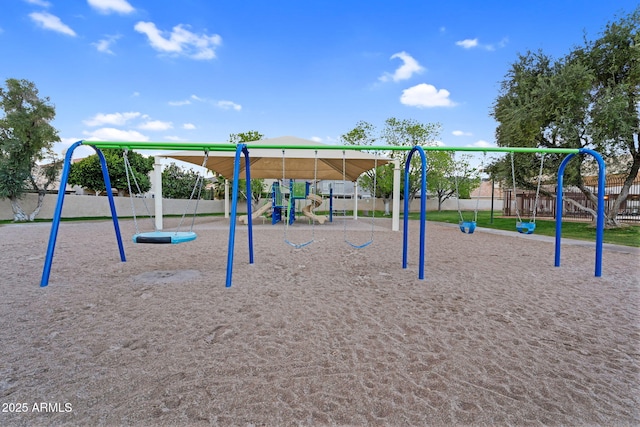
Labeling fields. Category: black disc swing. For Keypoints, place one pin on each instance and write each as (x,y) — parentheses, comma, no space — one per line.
(159,236)
(530,226)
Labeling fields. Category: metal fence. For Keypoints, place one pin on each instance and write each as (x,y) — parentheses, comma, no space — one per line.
(629,210)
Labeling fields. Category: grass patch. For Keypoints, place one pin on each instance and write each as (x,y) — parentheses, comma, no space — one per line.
(627,236)
(107,218)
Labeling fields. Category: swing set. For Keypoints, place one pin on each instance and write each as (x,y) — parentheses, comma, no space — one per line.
(467,227)
(530,226)
(243,150)
(287,204)
(158,236)
(373,211)
(291,203)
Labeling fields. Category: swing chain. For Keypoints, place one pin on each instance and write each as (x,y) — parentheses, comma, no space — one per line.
(197,187)
(291,205)
(475,213)
(515,199)
(535,203)
(513,177)
(131,175)
(344,210)
(455,178)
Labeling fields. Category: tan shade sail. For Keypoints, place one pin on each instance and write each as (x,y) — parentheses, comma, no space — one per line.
(298,163)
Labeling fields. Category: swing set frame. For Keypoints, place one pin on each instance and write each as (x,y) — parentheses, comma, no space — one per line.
(244,149)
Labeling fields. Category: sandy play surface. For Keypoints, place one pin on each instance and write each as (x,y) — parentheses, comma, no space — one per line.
(323,335)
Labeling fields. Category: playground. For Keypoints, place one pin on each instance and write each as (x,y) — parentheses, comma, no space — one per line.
(321,335)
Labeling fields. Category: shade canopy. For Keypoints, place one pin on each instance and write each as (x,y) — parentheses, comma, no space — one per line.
(299,163)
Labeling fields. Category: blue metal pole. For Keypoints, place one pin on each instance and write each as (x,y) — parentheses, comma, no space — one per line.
(249,215)
(600,209)
(559,204)
(55,225)
(234,209)
(423,209)
(112,205)
(405,218)
(64,178)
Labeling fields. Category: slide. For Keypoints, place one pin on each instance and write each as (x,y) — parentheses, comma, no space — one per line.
(306,211)
(245,218)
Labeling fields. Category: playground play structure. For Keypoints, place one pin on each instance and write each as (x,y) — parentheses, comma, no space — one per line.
(282,208)
(244,150)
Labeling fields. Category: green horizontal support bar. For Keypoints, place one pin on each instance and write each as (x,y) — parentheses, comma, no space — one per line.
(404,148)
(178,146)
(221,146)
(506,149)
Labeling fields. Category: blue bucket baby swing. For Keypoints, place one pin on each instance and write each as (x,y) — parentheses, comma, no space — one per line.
(466,226)
(527,227)
(160,236)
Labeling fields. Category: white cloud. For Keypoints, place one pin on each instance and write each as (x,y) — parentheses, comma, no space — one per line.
(180,41)
(179,103)
(426,96)
(482,144)
(116,119)
(316,139)
(473,43)
(112,134)
(503,42)
(229,105)
(156,125)
(188,126)
(175,138)
(467,43)
(105,44)
(109,6)
(51,22)
(461,133)
(408,68)
(225,105)
(80,152)
(41,3)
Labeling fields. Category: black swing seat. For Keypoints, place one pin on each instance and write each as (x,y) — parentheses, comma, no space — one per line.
(467,227)
(525,227)
(160,237)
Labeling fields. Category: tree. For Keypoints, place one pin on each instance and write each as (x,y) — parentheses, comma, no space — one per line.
(257,185)
(588,99)
(26,138)
(87,173)
(218,187)
(178,183)
(410,133)
(400,133)
(378,181)
(449,175)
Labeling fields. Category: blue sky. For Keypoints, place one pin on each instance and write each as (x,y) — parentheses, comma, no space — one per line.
(199,70)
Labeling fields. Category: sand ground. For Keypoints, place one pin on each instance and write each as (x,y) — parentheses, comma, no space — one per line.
(322,335)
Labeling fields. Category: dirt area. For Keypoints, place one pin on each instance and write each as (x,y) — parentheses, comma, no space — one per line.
(322,335)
